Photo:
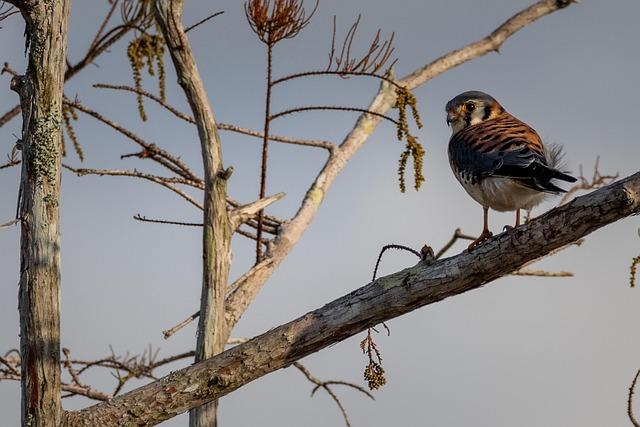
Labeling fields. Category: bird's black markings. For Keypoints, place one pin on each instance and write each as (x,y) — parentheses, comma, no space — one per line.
(487,113)
(510,142)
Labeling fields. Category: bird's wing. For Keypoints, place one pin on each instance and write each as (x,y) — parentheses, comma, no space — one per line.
(504,147)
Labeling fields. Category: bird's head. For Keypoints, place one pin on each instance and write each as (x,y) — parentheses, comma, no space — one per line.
(470,108)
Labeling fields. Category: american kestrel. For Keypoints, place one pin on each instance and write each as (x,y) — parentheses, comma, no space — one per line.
(499,160)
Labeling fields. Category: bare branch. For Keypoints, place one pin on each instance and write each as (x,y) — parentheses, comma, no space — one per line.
(9,223)
(6,12)
(375,58)
(386,298)
(332,108)
(202,21)
(242,214)
(326,386)
(221,126)
(457,234)
(542,273)
(597,180)
(169,332)
(164,181)
(491,43)
(141,218)
(151,151)
(632,418)
(634,266)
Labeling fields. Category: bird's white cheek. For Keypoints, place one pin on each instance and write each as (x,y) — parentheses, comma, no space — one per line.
(476,116)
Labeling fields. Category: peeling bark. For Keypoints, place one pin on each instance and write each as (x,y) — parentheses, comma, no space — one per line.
(386,298)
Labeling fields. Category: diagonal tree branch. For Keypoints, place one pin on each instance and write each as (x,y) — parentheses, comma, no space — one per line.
(291,233)
(386,298)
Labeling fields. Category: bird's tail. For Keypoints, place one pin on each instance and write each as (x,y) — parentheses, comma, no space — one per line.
(555,159)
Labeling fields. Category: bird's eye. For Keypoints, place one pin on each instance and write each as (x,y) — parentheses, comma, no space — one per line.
(470,106)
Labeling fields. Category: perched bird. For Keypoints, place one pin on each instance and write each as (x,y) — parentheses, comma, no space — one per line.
(499,160)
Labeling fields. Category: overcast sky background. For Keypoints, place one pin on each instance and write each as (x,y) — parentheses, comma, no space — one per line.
(518,352)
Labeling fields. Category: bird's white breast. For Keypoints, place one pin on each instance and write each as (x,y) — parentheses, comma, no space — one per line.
(502,194)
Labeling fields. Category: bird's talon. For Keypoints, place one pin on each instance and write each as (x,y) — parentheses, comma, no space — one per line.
(486,235)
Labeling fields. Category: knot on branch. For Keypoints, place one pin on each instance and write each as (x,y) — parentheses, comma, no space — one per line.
(225,174)
(17,83)
(564,3)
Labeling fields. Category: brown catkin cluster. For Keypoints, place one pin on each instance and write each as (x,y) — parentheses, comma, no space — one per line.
(68,114)
(145,50)
(374,376)
(634,267)
(413,148)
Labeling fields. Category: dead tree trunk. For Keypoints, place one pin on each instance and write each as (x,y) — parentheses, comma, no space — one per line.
(217,232)
(40,93)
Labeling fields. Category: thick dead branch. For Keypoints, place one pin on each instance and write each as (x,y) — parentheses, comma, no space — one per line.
(386,298)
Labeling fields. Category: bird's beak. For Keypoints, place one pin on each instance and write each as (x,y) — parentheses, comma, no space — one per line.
(451,117)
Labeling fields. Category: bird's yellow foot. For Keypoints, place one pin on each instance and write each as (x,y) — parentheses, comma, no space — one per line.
(486,235)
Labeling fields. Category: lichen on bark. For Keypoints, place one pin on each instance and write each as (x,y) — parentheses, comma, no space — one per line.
(45,146)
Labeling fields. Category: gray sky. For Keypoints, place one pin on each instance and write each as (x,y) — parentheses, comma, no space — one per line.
(518,352)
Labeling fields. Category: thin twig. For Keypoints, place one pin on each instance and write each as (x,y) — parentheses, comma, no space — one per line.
(202,21)
(152,151)
(139,217)
(332,108)
(10,223)
(169,332)
(222,126)
(336,73)
(392,246)
(542,273)
(164,181)
(632,418)
(326,385)
(457,234)
(597,180)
